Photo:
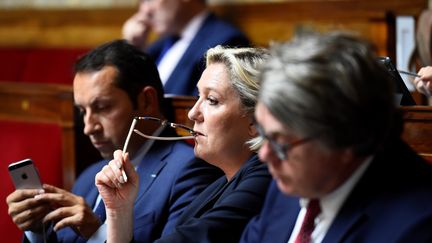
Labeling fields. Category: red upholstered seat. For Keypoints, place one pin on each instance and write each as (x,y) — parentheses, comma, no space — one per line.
(19,140)
(39,65)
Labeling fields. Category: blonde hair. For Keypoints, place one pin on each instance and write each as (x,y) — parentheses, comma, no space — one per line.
(243,65)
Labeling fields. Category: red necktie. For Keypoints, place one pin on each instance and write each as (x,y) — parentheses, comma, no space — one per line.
(312,211)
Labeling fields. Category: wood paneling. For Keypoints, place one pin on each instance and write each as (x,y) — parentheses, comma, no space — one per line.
(418,129)
(263,21)
(43,103)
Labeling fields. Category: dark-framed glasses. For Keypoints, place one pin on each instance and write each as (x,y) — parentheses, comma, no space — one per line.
(280,149)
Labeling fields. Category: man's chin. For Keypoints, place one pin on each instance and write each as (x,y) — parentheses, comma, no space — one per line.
(108,155)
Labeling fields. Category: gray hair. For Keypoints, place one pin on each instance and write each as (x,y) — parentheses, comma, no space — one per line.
(243,65)
(332,87)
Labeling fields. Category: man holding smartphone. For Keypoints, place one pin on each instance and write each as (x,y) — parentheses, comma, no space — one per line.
(113,84)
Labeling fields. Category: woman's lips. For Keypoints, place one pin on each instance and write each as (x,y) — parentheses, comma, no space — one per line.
(197,133)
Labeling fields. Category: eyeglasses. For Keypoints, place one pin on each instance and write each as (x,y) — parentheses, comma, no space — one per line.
(281,150)
(163,123)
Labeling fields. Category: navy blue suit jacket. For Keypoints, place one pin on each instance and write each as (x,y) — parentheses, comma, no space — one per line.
(186,74)
(392,202)
(220,213)
(170,178)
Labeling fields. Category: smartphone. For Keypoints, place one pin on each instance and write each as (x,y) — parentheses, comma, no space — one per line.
(24,175)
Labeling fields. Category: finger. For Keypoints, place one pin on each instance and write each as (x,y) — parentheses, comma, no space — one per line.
(118,154)
(102,180)
(59,214)
(70,221)
(419,86)
(62,199)
(110,177)
(116,169)
(128,167)
(416,80)
(77,217)
(29,216)
(428,89)
(21,194)
(53,189)
(17,208)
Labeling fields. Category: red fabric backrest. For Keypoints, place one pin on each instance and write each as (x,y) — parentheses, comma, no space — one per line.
(41,142)
(39,65)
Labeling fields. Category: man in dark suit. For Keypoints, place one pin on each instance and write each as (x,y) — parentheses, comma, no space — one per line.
(187,30)
(113,84)
(341,174)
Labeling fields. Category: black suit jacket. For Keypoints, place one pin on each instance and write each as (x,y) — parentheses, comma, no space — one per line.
(220,213)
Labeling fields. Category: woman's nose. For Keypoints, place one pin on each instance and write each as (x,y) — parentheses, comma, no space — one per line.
(194,113)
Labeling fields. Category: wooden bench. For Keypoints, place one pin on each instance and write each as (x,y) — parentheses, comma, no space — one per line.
(418,129)
(49,104)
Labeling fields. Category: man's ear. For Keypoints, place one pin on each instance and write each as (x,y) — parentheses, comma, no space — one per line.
(148,101)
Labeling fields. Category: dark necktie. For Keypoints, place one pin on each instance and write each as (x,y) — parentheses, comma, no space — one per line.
(167,44)
(100,211)
(308,226)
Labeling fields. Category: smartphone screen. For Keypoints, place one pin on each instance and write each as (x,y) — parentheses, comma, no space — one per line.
(25,175)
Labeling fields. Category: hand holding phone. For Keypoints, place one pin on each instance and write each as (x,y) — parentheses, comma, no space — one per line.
(24,175)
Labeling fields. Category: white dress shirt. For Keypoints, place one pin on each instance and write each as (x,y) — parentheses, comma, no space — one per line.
(172,57)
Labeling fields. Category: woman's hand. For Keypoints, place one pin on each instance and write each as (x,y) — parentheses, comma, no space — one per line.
(116,193)
(119,196)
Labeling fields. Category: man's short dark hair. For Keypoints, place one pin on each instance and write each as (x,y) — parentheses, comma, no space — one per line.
(136,69)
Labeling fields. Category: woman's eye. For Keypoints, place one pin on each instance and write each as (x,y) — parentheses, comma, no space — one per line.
(212,101)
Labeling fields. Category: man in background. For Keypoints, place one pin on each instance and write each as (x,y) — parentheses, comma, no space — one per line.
(113,84)
(187,29)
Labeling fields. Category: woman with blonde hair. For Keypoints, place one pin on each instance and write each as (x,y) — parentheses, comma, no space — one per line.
(226,137)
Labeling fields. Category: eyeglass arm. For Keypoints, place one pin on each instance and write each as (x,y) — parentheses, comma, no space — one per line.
(162,138)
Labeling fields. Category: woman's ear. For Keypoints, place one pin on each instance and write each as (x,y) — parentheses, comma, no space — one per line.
(252,129)
(148,101)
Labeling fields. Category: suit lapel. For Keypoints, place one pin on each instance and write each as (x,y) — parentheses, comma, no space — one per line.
(344,224)
(151,165)
(284,219)
(354,212)
(179,78)
(92,196)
